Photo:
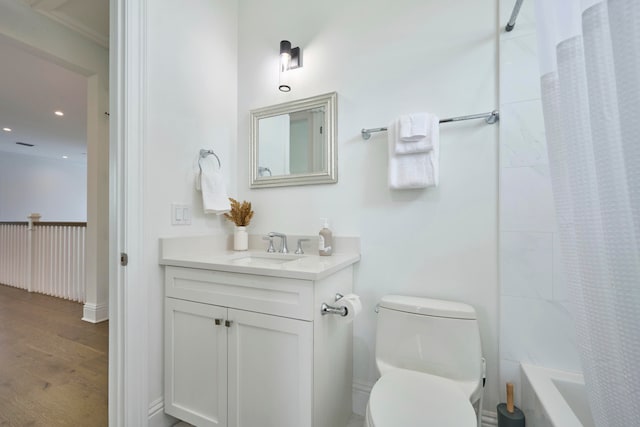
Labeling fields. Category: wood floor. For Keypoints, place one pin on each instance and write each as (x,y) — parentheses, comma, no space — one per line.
(53,366)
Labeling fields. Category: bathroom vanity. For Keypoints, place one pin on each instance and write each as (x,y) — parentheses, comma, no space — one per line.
(245,342)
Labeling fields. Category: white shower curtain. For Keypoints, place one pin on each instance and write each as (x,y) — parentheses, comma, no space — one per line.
(590,73)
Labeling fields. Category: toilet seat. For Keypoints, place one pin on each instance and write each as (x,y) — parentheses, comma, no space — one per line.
(415,399)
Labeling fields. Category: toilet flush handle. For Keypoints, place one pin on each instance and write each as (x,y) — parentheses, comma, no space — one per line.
(484,371)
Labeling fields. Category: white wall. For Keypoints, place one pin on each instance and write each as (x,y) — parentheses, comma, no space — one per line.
(385,59)
(56,189)
(192,82)
(535,323)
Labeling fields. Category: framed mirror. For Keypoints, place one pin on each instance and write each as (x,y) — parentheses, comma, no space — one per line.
(295,143)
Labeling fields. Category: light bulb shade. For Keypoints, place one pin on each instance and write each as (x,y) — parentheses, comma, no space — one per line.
(285,62)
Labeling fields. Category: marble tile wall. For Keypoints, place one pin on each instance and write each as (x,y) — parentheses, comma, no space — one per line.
(535,322)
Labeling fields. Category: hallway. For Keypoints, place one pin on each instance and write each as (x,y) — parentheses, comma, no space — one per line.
(53,365)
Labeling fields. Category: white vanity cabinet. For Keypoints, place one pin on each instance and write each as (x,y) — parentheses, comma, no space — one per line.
(250,350)
(196,362)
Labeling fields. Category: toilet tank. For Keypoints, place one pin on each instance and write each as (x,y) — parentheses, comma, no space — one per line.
(428,335)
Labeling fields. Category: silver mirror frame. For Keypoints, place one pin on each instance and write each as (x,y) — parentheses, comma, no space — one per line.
(330,176)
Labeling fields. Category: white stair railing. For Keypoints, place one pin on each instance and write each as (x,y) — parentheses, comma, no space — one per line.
(44,257)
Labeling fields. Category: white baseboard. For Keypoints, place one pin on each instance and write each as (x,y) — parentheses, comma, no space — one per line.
(95,313)
(157,417)
(489,418)
(362,390)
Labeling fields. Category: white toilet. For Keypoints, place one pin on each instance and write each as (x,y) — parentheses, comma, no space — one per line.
(429,358)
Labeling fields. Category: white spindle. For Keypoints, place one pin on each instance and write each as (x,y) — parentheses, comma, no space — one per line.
(53,259)
(13,255)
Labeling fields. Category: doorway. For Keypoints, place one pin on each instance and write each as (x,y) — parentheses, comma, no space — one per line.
(48,40)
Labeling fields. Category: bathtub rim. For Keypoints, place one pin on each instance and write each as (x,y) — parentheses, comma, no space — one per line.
(553,403)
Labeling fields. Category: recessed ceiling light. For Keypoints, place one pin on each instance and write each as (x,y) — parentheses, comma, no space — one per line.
(6,129)
(58,113)
(65,157)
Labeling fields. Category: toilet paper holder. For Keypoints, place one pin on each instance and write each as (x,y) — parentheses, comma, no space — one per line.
(329,309)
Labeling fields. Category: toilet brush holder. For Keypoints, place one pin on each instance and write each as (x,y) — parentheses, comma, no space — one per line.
(508,414)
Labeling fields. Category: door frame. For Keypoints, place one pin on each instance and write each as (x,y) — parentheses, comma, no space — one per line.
(128,342)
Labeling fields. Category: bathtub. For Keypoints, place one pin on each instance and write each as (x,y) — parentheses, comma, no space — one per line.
(552,398)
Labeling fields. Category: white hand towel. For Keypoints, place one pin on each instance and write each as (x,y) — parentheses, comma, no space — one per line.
(408,171)
(214,193)
(424,144)
(414,127)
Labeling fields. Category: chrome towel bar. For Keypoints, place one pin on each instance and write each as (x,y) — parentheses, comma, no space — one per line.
(490,118)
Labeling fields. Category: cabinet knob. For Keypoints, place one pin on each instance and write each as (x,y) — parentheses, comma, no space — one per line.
(218,322)
(228,323)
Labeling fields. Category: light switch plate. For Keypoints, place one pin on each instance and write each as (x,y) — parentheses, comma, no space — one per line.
(180,214)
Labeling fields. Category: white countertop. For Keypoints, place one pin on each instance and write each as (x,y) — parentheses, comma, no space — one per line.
(192,253)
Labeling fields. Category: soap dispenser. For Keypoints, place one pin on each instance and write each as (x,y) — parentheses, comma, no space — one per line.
(325,240)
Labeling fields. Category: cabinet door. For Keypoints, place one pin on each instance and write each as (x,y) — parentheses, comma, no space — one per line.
(195,363)
(270,371)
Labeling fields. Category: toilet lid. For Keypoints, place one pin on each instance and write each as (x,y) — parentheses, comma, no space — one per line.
(414,399)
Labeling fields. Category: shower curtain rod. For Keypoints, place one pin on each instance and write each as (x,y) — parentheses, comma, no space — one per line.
(514,15)
(490,118)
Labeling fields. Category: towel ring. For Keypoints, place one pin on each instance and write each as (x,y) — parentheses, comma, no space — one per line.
(205,153)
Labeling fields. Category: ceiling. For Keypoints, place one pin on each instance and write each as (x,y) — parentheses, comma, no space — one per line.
(33,88)
(87,17)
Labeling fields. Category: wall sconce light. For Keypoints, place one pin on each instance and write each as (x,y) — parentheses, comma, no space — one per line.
(290,58)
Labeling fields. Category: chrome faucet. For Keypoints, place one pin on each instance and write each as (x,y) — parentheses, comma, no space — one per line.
(270,249)
(283,249)
(299,250)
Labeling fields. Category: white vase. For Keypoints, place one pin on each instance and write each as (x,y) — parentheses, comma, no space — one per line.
(240,239)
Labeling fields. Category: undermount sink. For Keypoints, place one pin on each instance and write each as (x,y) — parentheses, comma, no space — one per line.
(266,259)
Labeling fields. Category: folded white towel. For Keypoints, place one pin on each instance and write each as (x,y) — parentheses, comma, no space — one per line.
(414,127)
(421,145)
(214,193)
(408,171)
